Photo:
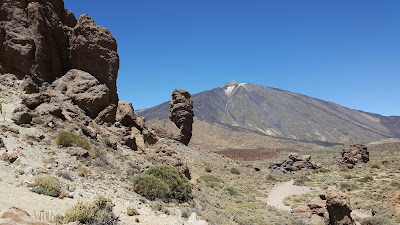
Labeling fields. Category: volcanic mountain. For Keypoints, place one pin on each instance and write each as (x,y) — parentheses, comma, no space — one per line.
(237,110)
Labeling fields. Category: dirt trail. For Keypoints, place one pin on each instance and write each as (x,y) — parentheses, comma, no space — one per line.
(281,191)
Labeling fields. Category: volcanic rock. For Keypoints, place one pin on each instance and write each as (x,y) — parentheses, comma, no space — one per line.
(34,100)
(84,90)
(338,206)
(94,49)
(352,154)
(21,115)
(127,116)
(43,40)
(50,109)
(181,113)
(294,162)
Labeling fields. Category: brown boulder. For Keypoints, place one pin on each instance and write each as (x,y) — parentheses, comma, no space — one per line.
(50,109)
(352,154)
(84,90)
(338,206)
(181,113)
(34,100)
(127,116)
(21,115)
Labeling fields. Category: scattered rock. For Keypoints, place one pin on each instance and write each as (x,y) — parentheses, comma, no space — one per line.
(29,86)
(181,113)
(50,109)
(21,115)
(294,162)
(352,154)
(2,145)
(127,116)
(34,100)
(78,152)
(338,206)
(15,216)
(10,156)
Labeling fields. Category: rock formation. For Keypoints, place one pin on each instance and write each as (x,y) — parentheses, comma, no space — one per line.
(41,41)
(353,154)
(332,208)
(181,113)
(294,162)
(19,216)
(338,206)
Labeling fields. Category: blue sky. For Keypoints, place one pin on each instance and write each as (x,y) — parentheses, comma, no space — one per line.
(344,51)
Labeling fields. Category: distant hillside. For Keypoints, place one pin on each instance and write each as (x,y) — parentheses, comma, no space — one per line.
(265,111)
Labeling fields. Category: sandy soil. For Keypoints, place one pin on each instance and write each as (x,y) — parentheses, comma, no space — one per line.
(281,191)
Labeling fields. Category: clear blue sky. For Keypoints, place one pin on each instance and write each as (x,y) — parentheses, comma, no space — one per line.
(344,51)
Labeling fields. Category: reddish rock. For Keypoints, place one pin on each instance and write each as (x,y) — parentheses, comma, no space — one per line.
(353,154)
(127,116)
(19,216)
(181,113)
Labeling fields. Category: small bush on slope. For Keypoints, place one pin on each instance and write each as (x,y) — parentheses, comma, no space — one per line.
(69,139)
(47,185)
(169,183)
(99,212)
(376,220)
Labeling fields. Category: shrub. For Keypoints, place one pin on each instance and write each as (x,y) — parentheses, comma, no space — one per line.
(69,139)
(375,166)
(235,171)
(100,211)
(232,191)
(301,180)
(322,170)
(47,185)
(210,178)
(132,211)
(395,184)
(83,171)
(365,179)
(208,169)
(150,187)
(376,220)
(271,177)
(347,186)
(162,182)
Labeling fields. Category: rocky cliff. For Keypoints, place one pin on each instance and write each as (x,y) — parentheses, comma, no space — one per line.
(41,41)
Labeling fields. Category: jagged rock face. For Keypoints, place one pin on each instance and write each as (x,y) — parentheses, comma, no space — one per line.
(352,154)
(181,113)
(94,49)
(43,40)
(338,206)
(294,162)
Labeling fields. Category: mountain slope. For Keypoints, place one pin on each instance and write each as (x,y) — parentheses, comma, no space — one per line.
(272,112)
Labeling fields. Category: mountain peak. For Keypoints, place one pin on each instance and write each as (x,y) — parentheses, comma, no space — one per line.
(231,83)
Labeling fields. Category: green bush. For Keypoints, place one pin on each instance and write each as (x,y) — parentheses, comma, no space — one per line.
(365,179)
(47,185)
(347,186)
(163,182)
(208,169)
(375,166)
(271,177)
(235,171)
(210,178)
(232,191)
(100,211)
(376,220)
(150,187)
(302,180)
(70,139)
